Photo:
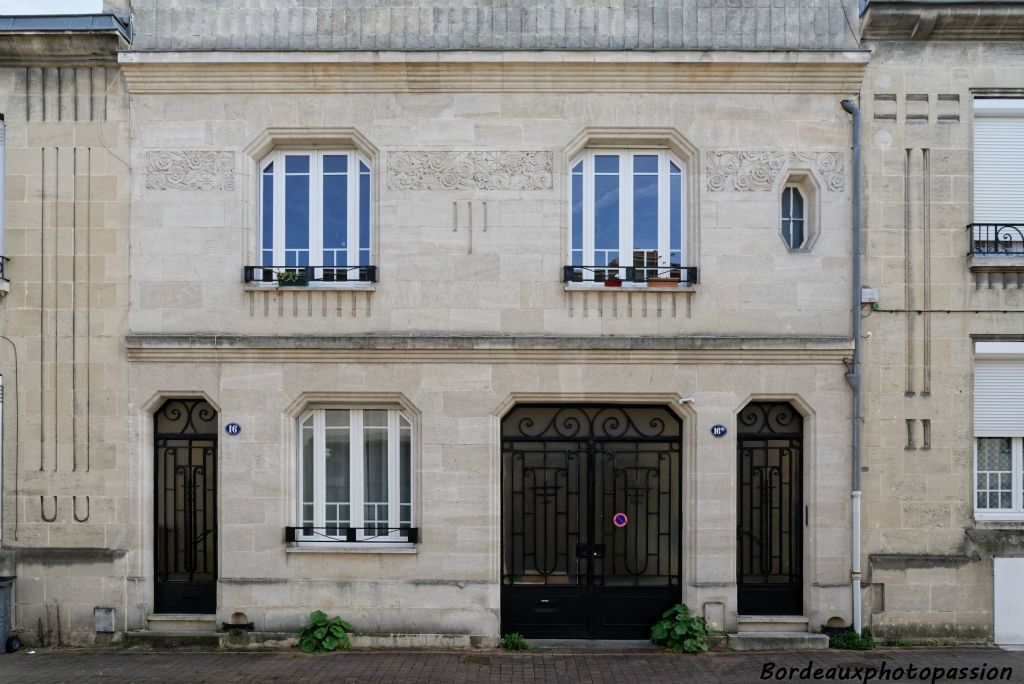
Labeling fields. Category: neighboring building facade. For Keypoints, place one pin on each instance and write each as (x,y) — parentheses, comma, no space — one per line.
(943,122)
(358,344)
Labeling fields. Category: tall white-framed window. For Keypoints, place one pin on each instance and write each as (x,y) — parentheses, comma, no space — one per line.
(627,215)
(316,211)
(999,431)
(355,475)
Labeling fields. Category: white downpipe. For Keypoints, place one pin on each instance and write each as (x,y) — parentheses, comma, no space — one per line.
(856,563)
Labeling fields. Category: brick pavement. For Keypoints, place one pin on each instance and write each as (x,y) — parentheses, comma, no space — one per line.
(95,665)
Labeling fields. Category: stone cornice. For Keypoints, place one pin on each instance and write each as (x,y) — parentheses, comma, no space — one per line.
(486,349)
(925,20)
(837,72)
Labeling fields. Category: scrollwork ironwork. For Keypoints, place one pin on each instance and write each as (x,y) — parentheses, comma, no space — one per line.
(599,422)
(186,417)
(774,418)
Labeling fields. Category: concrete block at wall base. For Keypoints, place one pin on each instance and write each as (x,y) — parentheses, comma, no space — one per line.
(925,627)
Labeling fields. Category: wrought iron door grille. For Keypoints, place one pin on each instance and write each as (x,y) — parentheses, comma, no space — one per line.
(769,530)
(567,472)
(185,506)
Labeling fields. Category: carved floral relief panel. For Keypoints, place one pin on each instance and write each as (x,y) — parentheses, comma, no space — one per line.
(190,170)
(751,171)
(479,170)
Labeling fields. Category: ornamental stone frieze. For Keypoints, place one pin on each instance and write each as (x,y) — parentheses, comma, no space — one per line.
(436,170)
(190,170)
(751,171)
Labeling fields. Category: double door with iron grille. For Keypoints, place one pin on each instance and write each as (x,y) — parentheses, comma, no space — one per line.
(591,520)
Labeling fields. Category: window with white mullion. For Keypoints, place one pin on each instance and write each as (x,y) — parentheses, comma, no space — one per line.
(356,468)
(998,474)
(608,211)
(394,513)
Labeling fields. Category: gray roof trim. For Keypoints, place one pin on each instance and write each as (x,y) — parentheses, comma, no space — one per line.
(66,23)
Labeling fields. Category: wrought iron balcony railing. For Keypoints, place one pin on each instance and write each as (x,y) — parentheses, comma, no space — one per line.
(340,533)
(301,276)
(997,239)
(652,276)
(3,276)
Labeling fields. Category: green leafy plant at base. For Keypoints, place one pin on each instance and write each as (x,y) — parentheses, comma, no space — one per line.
(514,642)
(852,641)
(681,632)
(324,634)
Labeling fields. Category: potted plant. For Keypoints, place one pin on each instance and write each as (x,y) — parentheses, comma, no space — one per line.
(612,280)
(296,278)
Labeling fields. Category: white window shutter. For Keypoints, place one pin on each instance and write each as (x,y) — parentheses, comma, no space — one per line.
(998,167)
(998,398)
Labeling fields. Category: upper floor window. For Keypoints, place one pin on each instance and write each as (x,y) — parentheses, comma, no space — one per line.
(315,218)
(793,217)
(998,224)
(628,218)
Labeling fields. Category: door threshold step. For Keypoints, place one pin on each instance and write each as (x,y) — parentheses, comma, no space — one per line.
(173,639)
(593,645)
(181,622)
(772,623)
(777,641)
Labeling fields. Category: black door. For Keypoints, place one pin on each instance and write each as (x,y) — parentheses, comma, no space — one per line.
(590,519)
(769,530)
(185,511)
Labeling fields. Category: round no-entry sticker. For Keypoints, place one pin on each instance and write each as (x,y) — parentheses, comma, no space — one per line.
(620,519)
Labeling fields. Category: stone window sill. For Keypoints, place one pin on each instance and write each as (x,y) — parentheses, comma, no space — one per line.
(274,287)
(627,287)
(351,548)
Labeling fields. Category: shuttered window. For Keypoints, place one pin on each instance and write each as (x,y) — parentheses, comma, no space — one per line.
(998,161)
(999,431)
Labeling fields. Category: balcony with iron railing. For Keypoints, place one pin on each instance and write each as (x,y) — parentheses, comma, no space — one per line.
(661,277)
(996,239)
(310,276)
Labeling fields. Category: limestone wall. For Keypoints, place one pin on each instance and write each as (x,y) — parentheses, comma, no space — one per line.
(918,373)
(66,459)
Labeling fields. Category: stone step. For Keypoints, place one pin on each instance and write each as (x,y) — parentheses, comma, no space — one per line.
(777,641)
(181,622)
(771,623)
(170,639)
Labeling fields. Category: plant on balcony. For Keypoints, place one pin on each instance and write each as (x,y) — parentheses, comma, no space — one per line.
(680,631)
(292,278)
(325,634)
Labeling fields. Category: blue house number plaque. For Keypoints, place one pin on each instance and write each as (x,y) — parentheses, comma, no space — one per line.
(232,429)
(718,430)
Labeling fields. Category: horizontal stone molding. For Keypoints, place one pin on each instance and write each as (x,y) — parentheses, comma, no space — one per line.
(478,170)
(837,73)
(758,170)
(190,170)
(481,349)
(903,561)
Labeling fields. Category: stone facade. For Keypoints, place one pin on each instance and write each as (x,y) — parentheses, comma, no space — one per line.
(924,576)
(128,240)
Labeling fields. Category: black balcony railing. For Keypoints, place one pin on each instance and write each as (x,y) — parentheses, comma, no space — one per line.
(997,239)
(340,533)
(662,276)
(3,276)
(300,276)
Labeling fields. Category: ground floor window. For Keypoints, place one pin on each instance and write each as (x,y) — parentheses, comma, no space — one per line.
(999,484)
(355,473)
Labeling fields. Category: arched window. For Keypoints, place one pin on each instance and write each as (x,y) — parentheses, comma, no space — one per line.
(628,217)
(794,219)
(314,218)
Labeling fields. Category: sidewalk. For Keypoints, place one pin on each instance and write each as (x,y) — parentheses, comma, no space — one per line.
(93,665)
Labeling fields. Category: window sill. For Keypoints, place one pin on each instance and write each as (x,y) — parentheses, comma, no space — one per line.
(271,287)
(995,262)
(998,516)
(626,287)
(359,547)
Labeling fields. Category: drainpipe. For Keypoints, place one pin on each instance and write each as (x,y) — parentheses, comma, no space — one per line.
(853,374)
